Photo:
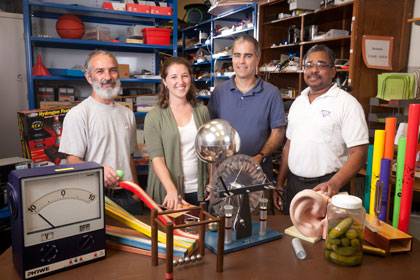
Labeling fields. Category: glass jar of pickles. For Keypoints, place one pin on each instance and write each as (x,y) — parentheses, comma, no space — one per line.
(346,218)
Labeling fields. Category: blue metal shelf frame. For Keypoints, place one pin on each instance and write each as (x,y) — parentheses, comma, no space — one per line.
(196,47)
(90,14)
(33,8)
(67,78)
(244,8)
(93,44)
(233,34)
(193,27)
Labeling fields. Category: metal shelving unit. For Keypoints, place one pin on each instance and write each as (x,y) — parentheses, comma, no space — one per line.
(52,10)
(228,18)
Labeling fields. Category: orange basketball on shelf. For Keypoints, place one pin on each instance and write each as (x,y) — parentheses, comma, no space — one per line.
(70,27)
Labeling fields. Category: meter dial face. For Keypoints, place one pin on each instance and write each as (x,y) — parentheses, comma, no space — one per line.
(60,206)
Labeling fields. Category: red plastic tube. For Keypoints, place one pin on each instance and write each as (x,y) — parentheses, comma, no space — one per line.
(409,166)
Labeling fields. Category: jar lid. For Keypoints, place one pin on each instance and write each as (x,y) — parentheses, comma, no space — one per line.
(346,201)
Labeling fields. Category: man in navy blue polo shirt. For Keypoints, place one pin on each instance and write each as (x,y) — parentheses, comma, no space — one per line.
(252,106)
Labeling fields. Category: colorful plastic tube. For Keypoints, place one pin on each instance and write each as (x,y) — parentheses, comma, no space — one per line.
(384,183)
(399,180)
(378,152)
(390,128)
(368,179)
(409,166)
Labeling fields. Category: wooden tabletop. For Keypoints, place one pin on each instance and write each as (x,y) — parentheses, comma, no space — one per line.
(274,260)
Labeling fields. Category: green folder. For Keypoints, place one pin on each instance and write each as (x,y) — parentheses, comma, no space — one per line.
(396,86)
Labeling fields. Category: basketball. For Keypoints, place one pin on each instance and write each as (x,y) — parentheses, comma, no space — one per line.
(70,27)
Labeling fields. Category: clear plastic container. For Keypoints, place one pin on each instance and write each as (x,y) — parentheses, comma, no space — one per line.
(346,220)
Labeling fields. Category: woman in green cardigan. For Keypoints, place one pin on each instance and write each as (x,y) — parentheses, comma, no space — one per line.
(176,174)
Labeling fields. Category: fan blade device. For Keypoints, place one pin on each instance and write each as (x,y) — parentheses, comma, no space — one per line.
(237,187)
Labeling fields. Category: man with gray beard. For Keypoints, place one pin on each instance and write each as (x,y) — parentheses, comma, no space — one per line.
(102,131)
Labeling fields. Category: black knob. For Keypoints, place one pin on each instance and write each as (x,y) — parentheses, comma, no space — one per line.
(86,242)
(48,253)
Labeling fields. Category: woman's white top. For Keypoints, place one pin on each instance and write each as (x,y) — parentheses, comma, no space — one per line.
(189,158)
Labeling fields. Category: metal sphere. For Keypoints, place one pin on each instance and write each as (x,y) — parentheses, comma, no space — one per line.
(216,140)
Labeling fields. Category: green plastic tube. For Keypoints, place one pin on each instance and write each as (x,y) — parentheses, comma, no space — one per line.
(399,181)
(368,179)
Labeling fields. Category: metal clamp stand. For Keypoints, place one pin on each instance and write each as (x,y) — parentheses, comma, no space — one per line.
(247,234)
(228,223)
(263,216)
(205,218)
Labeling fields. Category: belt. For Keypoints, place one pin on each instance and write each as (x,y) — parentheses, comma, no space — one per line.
(313,179)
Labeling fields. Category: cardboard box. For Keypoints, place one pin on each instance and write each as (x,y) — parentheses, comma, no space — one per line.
(49,105)
(124,70)
(66,94)
(147,100)
(45,94)
(40,132)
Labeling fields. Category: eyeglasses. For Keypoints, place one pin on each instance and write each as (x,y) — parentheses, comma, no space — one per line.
(319,64)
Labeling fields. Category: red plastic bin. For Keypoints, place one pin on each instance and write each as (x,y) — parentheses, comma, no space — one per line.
(165,11)
(157,36)
(137,8)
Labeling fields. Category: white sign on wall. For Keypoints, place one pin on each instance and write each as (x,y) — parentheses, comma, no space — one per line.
(377,51)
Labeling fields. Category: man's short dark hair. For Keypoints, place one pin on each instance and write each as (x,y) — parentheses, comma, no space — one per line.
(251,40)
(321,48)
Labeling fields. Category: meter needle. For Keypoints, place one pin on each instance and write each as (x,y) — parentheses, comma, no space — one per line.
(48,222)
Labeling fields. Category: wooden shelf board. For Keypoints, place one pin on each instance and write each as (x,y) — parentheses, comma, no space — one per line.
(415,20)
(282,47)
(284,72)
(310,42)
(329,8)
(327,40)
(282,19)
